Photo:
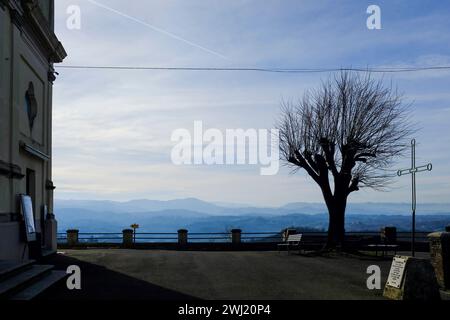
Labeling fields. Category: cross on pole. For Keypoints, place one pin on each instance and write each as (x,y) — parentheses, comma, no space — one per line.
(412,171)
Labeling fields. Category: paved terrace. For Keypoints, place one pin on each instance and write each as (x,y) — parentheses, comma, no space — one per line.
(159,274)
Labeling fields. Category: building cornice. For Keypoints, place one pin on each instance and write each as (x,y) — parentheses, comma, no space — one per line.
(28,16)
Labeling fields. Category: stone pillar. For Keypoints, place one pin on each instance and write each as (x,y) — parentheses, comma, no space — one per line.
(182,237)
(51,233)
(389,235)
(236,236)
(440,257)
(127,237)
(72,237)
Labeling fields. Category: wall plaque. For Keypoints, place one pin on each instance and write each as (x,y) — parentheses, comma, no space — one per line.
(397,272)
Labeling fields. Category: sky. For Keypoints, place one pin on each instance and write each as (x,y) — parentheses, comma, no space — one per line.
(112,128)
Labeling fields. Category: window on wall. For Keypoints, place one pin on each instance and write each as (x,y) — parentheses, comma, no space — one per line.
(31,105)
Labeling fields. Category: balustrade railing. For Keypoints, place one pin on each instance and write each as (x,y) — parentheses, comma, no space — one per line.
(235,236)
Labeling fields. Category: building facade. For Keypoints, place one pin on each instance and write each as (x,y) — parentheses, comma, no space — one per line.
(28,51)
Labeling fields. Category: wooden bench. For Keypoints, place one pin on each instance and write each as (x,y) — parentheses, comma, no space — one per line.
(384,248)
(293,241)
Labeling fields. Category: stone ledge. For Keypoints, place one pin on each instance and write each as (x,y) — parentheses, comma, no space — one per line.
(6,217)
(10,170)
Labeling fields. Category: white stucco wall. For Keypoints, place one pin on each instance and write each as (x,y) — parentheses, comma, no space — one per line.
(22,61)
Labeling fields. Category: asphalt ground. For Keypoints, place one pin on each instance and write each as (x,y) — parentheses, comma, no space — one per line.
(108,274)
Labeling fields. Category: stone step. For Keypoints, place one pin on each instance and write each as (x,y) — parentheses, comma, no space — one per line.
(47,253)
(21,280)
(445,295)
(10,268)
(40,286)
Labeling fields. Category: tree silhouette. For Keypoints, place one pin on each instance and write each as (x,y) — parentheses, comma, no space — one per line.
(345,135)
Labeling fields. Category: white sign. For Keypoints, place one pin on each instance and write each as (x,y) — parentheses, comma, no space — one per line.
(28,216)
(397,272)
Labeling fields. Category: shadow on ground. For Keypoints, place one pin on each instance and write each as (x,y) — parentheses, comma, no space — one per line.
(100,283)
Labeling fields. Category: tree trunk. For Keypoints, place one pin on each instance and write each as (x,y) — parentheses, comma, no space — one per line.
(336,226)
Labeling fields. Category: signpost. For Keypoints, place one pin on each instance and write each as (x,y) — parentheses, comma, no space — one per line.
(134,227)
(412,171)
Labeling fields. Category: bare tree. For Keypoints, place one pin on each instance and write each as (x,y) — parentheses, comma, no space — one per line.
(345,135)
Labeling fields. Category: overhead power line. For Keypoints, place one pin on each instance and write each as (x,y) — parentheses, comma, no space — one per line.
(270,70)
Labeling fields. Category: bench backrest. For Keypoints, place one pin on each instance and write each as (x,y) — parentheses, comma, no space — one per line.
(294,238)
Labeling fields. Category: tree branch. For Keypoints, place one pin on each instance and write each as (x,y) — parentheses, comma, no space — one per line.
(329,150)
(300,161)
(353,185)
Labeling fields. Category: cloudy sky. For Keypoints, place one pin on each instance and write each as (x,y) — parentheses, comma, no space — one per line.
(112,128)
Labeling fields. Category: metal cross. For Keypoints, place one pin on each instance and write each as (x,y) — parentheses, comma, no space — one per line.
(412,171)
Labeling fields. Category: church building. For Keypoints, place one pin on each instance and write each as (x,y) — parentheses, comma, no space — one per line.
(28,51)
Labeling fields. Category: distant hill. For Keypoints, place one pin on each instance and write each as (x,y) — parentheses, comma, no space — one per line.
(141,205)
(200,216)
(193,204)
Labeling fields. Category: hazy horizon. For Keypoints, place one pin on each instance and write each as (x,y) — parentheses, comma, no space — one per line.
(233,204)
(428,207)
(198,216)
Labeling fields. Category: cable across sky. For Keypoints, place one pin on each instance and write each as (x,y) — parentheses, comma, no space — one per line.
(267,70)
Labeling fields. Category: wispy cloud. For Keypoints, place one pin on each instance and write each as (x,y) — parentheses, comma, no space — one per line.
(157,29)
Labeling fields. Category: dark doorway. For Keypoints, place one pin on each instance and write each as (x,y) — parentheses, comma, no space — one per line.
(31,187)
